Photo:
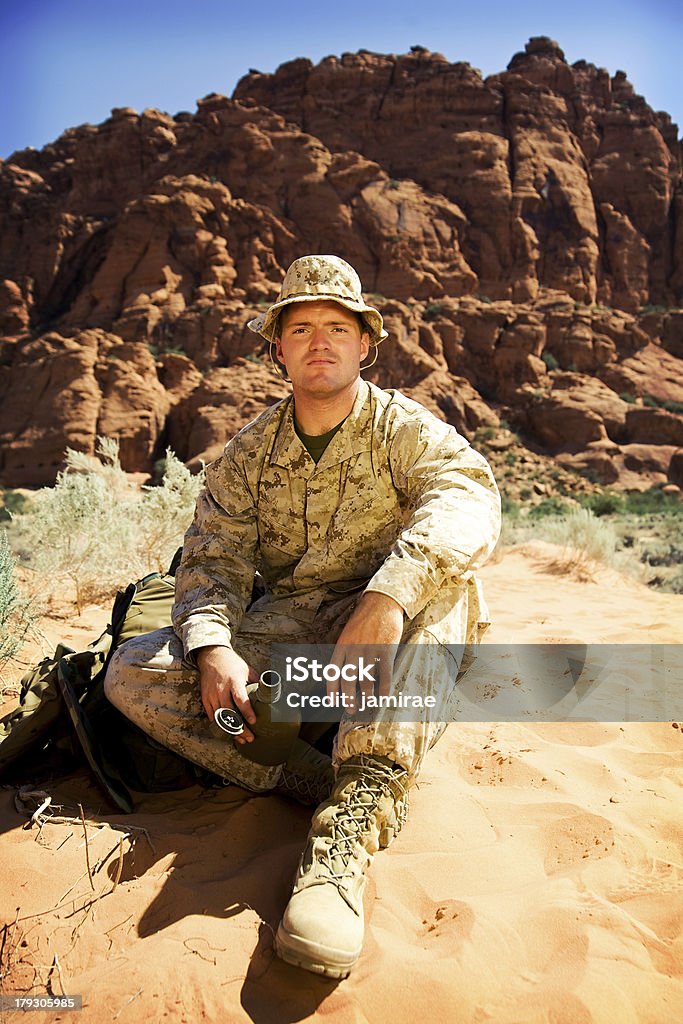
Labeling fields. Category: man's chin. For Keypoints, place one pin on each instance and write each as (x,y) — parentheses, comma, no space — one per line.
(324,381)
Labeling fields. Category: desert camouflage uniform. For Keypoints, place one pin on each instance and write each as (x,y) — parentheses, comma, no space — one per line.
(399,503)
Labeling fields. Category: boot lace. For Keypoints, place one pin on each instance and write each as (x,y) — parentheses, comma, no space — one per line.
(309,788)
(352,820)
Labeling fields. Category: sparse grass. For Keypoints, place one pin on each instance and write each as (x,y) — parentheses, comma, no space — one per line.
(585,539)
(653,501)
(637,533)
(96,529)
(16,615)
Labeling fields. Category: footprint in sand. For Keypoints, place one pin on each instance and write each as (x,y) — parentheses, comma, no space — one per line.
(492,767)
(450,920)
(578,838)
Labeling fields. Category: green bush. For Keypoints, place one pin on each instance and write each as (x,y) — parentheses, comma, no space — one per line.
(644,310)
(96,528)
(15,611)
(432,311)
(484,434)
(549,360)
(653,501)
(511,509)
(549,507)
(626,396)
(13,503)
(603,503)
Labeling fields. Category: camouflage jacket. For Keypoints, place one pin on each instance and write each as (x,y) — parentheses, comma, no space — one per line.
(399,503)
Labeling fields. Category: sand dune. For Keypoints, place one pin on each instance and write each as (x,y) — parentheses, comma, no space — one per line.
(538,879)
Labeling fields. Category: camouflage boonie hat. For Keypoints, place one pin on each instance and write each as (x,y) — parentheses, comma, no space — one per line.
(312,278)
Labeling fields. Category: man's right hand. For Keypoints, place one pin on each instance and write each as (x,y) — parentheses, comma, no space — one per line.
(223,678)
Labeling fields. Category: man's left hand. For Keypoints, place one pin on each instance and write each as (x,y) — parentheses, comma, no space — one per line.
(376,625)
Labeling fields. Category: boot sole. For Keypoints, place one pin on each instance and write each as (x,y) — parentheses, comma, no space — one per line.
(332,963)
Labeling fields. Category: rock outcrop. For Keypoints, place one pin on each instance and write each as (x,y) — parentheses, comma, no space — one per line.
(523,235)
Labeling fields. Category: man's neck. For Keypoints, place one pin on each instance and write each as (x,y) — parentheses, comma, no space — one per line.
(316,415)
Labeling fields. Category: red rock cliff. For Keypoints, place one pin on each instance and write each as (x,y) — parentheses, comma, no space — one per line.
(523,234)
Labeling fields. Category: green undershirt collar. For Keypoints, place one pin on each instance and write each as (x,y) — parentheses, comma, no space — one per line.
(315,444)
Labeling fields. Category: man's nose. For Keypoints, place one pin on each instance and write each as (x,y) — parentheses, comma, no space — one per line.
(319,338)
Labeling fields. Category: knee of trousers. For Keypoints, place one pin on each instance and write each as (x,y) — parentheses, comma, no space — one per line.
(114,680)
(147,660)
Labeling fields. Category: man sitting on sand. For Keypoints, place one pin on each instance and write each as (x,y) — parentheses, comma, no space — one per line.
(365,516)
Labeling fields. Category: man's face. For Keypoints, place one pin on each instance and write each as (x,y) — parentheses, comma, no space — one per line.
(322,346)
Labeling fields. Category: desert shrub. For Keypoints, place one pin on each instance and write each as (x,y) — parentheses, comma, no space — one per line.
(98,530)
(645,502)
(675,584)
(15,610)
(549,360)
(549,507)
(12,503)
(584,537)
(603,503)
(626,396)
(432,311)
(484,434)
(644,310)
(511,509)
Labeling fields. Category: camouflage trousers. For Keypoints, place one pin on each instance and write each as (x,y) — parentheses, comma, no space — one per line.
(151,683)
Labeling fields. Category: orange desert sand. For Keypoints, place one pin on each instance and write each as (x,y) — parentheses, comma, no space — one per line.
(537,881)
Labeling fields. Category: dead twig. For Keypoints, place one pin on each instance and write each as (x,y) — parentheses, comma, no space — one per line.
(87,849)
(36,814)
(200,938)
(7,942)
(64,896)
(114,927)
(24,795)
(119,866)
(127,1003)
(55,966)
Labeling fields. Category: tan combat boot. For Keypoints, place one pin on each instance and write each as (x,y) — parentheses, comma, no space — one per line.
(322,927)
(307,775)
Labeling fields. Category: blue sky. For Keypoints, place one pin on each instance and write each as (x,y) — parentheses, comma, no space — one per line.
(67,62)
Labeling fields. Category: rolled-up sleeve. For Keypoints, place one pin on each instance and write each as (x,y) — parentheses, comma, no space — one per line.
(216,574)
(454,520)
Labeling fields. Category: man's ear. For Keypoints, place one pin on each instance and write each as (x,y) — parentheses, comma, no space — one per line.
(364,345)
(278,351)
